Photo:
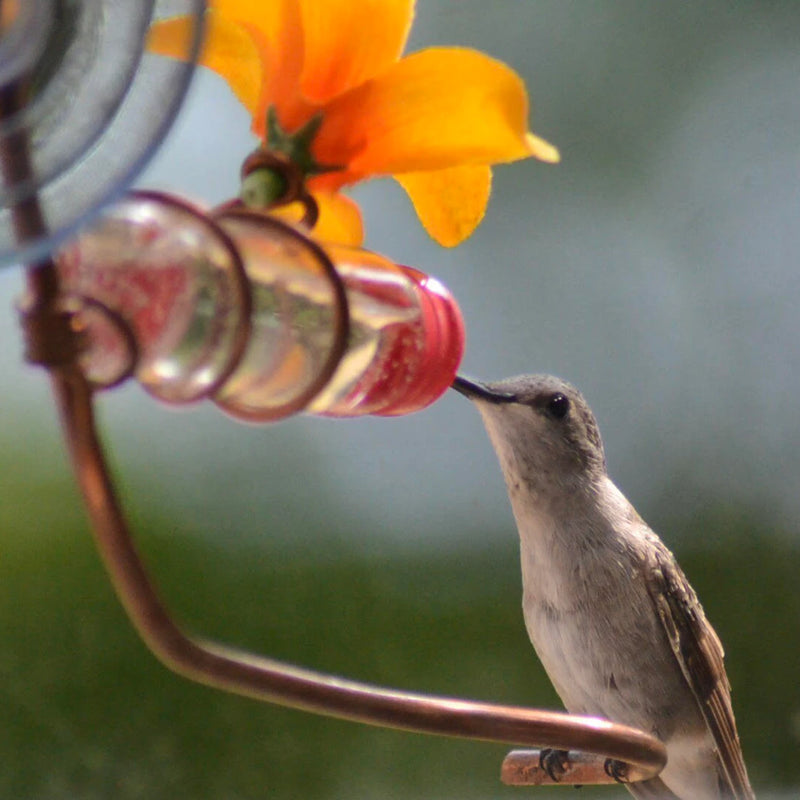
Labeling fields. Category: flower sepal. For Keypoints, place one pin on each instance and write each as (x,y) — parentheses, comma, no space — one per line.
(296,146)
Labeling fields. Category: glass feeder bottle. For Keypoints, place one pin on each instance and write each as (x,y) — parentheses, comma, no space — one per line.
(245,309)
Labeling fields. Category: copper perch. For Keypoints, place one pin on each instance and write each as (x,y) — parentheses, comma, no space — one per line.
(524,768)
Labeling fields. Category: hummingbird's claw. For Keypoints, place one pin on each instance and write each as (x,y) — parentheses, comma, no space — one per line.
(618,770)
(554,762)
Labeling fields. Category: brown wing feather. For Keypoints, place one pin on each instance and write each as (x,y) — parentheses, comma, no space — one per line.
(700,655)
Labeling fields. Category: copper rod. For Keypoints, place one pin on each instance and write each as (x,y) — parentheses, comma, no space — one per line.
(26,214)
(270,680)
(219,666)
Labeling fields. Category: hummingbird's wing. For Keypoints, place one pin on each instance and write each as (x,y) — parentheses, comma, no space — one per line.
(700,656)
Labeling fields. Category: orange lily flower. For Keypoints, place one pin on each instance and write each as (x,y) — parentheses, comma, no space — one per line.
(436,120)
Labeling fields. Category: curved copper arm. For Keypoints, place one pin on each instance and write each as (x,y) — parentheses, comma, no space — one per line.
(276,682)
(53,342)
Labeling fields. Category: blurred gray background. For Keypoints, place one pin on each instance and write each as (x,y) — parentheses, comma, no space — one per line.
(655,268)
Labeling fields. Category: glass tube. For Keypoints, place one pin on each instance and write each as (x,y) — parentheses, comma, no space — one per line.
(175,280)
(249,311)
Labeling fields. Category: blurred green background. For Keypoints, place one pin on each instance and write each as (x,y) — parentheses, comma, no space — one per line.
(655,268)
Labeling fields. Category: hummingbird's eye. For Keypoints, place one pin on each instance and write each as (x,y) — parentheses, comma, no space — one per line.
(558,406)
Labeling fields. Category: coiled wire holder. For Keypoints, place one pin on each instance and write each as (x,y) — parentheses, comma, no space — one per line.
(53,341)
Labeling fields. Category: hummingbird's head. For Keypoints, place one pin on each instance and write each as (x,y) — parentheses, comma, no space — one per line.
(541,427)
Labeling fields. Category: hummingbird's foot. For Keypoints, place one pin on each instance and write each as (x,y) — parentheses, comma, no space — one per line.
(554,762)
(618,770)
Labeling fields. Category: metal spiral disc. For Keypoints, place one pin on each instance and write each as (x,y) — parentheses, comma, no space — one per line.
(86,101)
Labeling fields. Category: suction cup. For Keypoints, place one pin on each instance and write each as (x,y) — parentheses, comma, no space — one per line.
(84,106)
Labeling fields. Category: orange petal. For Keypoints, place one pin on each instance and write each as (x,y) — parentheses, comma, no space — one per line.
(542,149)
(449,202)
(228,49)
(347,43)
(339,218)
(438,108)
(277,27)
(256,46)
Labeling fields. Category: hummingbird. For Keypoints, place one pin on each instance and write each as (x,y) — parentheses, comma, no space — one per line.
(613,619)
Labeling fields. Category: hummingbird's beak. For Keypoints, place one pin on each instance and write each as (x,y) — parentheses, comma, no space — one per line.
(473,390)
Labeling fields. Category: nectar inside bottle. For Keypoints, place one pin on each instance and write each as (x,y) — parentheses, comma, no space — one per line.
(248,311)
(406,339)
